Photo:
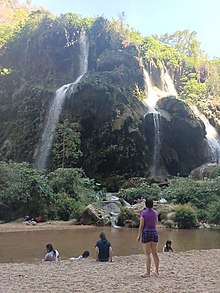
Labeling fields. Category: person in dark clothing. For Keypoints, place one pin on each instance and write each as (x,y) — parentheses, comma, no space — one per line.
(103,249)
(168,246)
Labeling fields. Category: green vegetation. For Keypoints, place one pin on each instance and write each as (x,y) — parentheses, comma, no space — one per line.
(66,148)
(142,190)
(203,196)
(60,195)
(23,191)
(185,217)
(14,25)
(66,191)
(129,217)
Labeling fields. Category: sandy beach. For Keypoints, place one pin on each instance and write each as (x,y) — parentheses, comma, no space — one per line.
(192,271)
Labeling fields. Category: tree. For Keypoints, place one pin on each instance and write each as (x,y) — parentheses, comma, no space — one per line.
(66,149)
(16,21)
(23,191)
(73,192)
(183,41)
(194,91)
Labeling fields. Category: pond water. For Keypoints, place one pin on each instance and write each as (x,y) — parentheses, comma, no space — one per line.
(30,245)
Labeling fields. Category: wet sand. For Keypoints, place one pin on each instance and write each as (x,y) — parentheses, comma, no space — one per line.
(193,271)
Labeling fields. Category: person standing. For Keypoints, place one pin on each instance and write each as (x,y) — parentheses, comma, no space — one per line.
(149,237)
(103,249)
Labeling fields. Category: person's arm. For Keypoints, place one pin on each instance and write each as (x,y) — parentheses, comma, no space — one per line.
(96,253)
(141,226)
(164,249)
(47,257)
(110,254)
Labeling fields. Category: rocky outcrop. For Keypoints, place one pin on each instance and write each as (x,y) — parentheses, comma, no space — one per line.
(184,145)
(93,216)
(204,171)
(130,216)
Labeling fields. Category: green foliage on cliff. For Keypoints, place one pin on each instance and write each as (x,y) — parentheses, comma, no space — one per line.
(75,22)
(66,148)
(13,26)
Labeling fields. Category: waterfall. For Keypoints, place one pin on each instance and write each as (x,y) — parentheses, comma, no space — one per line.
(57,104)
(151,100)
(151,97)
(155,170)
(212,137)
(169,85)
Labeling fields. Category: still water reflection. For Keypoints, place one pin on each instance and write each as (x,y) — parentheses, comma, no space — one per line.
(30,245)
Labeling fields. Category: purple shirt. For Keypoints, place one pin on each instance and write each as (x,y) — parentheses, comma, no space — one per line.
(150,219)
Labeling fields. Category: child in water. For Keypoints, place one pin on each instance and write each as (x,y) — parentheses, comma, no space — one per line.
(52,254)
(82,256)
(168,246)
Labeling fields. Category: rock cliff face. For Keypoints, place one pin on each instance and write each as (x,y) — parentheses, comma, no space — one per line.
(183,137)
(116,136)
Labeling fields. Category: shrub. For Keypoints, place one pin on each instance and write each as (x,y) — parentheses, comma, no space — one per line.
(143,190)
(202,215)
(66,208)
(214,213)
(216,172)
(198,193)
(23,191)
(127,214)
(73,192)
(72,182)
(185,216)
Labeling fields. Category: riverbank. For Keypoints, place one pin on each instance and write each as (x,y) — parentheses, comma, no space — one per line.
(191,272)
(50,225)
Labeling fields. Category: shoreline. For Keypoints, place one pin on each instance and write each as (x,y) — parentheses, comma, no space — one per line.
(195,271)
(19,226)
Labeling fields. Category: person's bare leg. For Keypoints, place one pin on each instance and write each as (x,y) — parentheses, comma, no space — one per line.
(154,246)
(147,252)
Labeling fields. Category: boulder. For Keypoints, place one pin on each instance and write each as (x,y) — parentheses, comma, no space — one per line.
(94,216)
(169,223)
(204,171)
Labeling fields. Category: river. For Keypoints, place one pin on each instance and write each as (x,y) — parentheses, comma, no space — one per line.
(28,246)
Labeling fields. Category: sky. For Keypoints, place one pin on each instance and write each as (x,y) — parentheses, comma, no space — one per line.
(153,16)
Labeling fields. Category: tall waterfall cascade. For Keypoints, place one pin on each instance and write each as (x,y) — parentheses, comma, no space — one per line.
(153,94)
(212,137)
(151,101)
(57,105)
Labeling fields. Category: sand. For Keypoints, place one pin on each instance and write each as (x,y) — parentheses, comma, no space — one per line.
(193,271)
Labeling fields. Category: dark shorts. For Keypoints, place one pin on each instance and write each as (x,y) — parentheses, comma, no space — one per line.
(149,236)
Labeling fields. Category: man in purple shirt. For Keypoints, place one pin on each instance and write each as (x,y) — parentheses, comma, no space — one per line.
(149,237)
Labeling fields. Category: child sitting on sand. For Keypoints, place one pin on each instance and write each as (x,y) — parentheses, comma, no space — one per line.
(52,254)
(168,246)
(82,256)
